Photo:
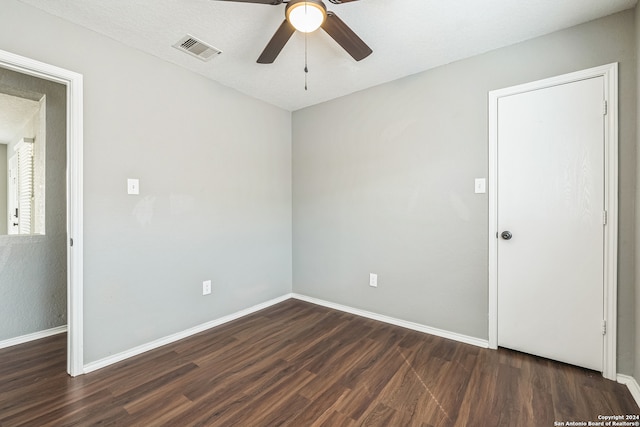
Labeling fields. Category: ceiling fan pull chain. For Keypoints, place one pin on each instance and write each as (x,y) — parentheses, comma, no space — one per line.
(306,69)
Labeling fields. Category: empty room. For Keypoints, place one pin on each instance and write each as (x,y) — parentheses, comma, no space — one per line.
(303,213)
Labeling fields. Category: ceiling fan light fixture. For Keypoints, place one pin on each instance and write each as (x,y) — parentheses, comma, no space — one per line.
(306,16)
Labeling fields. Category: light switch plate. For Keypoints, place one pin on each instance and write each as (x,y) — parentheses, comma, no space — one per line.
(133,186)
(481,185)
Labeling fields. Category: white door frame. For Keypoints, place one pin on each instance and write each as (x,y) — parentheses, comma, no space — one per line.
(610,74)
(73,82)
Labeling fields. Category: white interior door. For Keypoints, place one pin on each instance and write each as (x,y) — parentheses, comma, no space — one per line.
(550,197)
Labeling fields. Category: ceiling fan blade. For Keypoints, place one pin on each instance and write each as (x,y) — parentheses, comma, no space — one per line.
(340,1)
(274,2)
(345,37)
(277,42)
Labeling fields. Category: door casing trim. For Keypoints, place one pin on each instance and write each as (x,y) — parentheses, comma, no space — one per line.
(610,74)
(74,84)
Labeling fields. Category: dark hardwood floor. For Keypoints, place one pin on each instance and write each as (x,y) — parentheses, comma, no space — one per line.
(299,364)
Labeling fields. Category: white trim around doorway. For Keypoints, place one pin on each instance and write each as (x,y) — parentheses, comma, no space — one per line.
(610,74)
(74,84)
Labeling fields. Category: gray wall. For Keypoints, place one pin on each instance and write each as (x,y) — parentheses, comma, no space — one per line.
(383,183)
(3,188)
(33,269)
(215,187)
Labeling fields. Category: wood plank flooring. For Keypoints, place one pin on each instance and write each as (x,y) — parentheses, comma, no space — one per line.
(298,364)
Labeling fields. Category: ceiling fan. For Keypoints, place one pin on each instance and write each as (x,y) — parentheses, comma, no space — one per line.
(307,16)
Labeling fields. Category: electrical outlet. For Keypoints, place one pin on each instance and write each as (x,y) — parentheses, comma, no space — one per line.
(373,280)
(206,287)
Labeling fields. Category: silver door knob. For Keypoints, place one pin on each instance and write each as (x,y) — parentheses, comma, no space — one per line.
(506,235)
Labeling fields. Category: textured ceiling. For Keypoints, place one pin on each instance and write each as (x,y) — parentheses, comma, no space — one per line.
(14,114)
(407,36)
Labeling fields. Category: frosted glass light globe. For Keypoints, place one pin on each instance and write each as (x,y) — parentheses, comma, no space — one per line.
(306,16)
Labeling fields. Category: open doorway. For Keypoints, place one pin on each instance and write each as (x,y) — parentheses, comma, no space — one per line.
(64,225)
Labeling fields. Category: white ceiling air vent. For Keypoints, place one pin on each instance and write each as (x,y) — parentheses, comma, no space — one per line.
(197,48)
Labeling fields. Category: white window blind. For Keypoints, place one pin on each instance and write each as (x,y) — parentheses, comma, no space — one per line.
(12,190)
(25,185)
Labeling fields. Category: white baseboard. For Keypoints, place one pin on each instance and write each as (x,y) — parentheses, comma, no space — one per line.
(397,322)
(93,366)
(632,385)
(34,336)
(110,360)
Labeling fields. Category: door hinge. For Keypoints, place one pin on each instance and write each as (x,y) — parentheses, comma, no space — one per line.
(604,327)
(605,109)
(604,217)
(70,242)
